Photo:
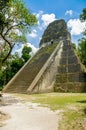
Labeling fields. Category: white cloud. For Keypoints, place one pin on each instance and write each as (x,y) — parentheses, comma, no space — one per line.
(44,19)
(33,34)
(48,18)
(76,26)
(19,50)
(69,12)
(39,13)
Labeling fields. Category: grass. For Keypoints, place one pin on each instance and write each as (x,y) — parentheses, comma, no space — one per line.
(72,104)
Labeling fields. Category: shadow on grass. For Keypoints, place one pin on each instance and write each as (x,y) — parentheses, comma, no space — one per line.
(82,101)
(84,111)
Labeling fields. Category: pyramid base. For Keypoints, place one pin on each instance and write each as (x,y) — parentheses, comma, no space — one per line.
(75,87)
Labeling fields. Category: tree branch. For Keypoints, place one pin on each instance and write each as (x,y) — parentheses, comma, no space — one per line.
(11,28)
(11,47)
(5,39)
(7,56)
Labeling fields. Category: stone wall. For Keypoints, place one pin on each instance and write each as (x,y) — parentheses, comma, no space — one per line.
(70,72)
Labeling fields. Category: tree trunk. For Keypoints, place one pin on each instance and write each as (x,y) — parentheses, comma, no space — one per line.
(7,55)
(10,46)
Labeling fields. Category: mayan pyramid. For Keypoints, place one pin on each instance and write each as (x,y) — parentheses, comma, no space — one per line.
(54,68)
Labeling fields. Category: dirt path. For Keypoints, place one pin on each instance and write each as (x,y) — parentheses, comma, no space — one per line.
(27,116)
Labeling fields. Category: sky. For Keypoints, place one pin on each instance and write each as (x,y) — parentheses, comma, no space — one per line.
(47,11)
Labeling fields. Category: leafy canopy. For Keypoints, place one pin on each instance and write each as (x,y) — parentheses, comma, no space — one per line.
(82,50)
(15,21)
(26,53)
(13,64)
(82,42)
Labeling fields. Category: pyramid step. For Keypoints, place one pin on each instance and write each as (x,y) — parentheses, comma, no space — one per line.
(70,77)
(26,75)
(67,53)
(70,68)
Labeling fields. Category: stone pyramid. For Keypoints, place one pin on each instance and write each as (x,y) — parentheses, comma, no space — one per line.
(54,68)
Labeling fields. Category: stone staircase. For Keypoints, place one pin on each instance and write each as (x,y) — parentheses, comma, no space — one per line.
(23,79)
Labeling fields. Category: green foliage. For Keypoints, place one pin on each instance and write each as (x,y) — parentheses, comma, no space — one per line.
(82,50)
(26,53)
(83,15)
(9,69)
(12,66)
(3,7)
(82,42)
(1,80)
(16,65)
(3,3)
(83,19)
(74,46)
(4,51)
(15,21)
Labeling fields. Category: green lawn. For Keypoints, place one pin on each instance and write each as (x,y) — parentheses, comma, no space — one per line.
(72,104)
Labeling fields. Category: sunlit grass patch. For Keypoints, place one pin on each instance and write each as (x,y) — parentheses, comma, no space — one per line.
(72,104)
(56,100)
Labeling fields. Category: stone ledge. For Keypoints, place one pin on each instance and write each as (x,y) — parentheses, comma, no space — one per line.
(70,87)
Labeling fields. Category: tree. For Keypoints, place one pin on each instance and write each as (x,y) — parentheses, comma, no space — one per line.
(26,53)
(3,4)
(15,23)
(82,50)
(82,42)
(83,15)
(10,68)
(83,19)
(12,65)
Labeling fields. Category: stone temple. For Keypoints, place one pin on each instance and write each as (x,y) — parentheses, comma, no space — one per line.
(54,68)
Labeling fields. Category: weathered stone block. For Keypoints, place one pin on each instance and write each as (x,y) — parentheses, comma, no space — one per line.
(67,53)
(66,47)
(73,77)
(61,78)
(71,53)
(72,60)
(70,87)
(74,68)
(64,54)
(63,61)
(59,87)
(67,42)
(62,69)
